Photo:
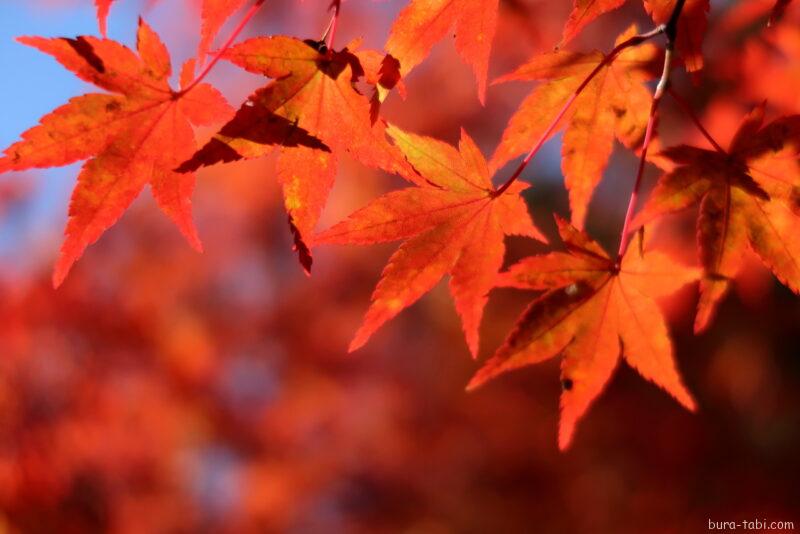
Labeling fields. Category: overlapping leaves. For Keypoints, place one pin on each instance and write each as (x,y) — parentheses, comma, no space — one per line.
(451,220)
(312,113)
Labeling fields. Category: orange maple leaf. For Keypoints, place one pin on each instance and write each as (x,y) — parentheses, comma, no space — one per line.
(616,103)
(591,306)
(748,194)
(313,113)
(691,24)
(422,23)
(452,222)
(136,135)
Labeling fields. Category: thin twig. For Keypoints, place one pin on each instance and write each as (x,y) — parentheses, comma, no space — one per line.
(607,60)
(671,32)
(336,5)
(249,15)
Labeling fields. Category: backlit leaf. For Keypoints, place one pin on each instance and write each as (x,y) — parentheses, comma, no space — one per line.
(592,312)
(135,136)
(451,223)
(312,112)
(614,105)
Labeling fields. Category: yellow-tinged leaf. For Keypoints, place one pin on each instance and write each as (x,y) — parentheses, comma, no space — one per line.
(452,222)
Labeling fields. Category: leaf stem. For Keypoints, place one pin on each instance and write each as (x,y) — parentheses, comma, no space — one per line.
(684,105)
(671,32)
(330,32)
(636,40)
(218,55)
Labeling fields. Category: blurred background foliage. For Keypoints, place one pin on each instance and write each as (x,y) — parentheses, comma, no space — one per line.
(164,391)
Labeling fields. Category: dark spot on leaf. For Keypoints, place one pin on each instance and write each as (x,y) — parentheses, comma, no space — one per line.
(566,384)
(84,49)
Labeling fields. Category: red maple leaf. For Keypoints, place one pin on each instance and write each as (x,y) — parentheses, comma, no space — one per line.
(136,135)
(452,222)
(747,194)
(593,310)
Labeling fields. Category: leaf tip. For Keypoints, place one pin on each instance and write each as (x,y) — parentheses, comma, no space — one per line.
(358,341)
(60,273)
(474,383)
(565,432)
(196,244)
(473,344)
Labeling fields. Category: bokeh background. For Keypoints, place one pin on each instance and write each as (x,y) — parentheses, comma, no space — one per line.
(160,390)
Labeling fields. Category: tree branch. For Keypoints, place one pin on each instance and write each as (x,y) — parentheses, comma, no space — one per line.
(671,32)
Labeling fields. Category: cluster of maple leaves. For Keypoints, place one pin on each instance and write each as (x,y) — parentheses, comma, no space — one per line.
(452,220)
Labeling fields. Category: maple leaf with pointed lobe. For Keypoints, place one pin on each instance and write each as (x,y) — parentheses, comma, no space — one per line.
(749,194)
(592,311)
(422,23)
(616,103)
(103,7)
(313,113)
(134,136)
(691,24)
(452,222)
(213,15)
